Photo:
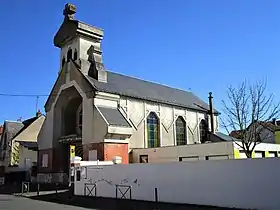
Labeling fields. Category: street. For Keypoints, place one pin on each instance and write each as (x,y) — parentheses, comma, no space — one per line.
(10,202)
(59,202)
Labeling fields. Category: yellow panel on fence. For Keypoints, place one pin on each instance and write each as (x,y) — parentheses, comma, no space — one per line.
(236,153)
(72,151)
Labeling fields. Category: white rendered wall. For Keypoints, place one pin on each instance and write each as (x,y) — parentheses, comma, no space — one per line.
(225,183)
(262,147)
(24,154)
(137,111)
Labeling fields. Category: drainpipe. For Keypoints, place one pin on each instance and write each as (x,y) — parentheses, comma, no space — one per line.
(211,111)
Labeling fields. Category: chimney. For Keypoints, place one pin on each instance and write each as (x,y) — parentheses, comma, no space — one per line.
(211,111)
(274,121)
(38,113)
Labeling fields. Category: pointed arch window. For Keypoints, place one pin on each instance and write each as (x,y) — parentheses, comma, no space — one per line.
(153,130)
(69,54)
(203,128)
(63,61)
(75,55)
(181,137)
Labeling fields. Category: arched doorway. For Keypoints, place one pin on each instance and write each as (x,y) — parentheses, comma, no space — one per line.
(68,117)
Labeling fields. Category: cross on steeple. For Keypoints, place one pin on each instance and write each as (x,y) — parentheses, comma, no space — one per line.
(69,11)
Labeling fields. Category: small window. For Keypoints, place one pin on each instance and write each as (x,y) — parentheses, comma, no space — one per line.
(69,55)
(78,175)
(190,158)
(45,161)
(144,159)
(63,62)
(272,154)
(75,55)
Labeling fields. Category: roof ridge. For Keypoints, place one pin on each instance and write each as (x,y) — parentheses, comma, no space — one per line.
(25,126)
(13,121)
(149,81)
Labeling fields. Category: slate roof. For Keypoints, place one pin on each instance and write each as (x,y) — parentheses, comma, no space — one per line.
(25,124)
(113,116)
(226,137)
(145,90)
(12,128)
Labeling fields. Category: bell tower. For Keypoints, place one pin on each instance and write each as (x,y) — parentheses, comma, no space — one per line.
(80,43)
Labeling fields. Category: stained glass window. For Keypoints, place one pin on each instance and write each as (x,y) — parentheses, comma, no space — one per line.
(153,130)
(181,131)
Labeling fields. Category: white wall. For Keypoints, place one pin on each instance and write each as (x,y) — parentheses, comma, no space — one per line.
(45,136)
(24,154)
(84,46)
(171,154)
(225,183)
(262,147)
(137,111)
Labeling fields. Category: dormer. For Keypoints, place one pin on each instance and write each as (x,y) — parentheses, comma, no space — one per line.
(80,43)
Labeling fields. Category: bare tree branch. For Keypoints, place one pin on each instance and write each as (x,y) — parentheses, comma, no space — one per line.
(249,112)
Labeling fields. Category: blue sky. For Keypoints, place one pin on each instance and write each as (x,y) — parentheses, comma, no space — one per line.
(197,45)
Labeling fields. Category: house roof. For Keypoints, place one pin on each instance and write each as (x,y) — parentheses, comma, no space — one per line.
(12,128)
(113,116)
(268,125)
(225,137)
(30,129)
(235,134)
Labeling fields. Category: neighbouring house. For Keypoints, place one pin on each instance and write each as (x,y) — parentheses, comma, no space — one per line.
(269,131)
(19,148)
(104,114)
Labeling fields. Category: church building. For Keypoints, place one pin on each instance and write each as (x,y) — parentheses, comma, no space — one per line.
(106,114)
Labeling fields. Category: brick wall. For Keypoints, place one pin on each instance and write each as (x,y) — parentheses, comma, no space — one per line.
(106,151)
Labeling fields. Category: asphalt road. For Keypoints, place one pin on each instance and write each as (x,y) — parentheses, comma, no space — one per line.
(10,202)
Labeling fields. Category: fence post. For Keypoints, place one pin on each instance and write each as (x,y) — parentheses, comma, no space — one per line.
(156,195)
(38,189)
